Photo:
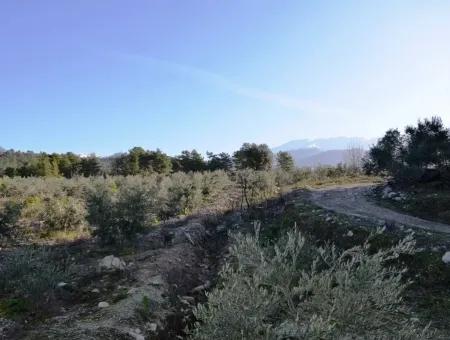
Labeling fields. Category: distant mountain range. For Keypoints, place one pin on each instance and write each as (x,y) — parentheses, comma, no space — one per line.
(323,151)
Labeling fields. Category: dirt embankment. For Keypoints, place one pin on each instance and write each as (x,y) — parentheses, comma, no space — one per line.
(152,298)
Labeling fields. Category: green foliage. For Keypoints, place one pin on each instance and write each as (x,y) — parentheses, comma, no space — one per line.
(118,216)
(31,273)
(14,307)
(408,156)
(221,161)
(256,186)
(285,161)
(90,166)
(63,213)
(15,163)
(144,310)
(189,161)
(121,206)
(294,290)
(140,161)
(9,216)
(253,156)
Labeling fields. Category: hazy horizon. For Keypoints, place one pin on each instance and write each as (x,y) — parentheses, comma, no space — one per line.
(102,77)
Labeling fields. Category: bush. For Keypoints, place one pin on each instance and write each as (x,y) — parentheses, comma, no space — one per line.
(297,291)
(31,273)
(118,215)
(256,186)
(9,216)
(64,213)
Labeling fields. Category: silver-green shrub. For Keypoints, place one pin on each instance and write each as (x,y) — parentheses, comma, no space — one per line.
(31,273)
(119,212)
(295,290)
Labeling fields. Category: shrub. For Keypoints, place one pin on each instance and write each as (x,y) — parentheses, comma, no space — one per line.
(64,213)
(118,215)
(256,186)
(9,216)
(294,290)
(31,273)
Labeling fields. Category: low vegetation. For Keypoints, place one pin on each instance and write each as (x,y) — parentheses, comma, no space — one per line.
(116,208)
(297,290)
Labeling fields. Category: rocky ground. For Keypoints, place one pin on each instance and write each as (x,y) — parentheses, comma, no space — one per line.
(146,294)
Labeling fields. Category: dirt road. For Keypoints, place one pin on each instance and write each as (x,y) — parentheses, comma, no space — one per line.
(352,200)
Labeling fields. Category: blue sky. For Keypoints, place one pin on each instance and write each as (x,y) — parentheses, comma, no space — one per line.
(105,75)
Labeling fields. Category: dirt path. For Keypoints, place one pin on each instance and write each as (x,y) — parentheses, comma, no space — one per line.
(352,200)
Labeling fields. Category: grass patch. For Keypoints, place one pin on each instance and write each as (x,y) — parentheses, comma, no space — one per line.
(12,308)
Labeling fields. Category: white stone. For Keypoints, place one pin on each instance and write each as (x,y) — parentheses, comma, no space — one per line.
(111,262)
(446,257)
(386,192)
(61,284)
(350,233)
(103,304)
(132,291)
(156,280)
(95,291)
(152,327)
(135,335)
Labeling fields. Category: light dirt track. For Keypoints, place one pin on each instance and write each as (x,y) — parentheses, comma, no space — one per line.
(352,200)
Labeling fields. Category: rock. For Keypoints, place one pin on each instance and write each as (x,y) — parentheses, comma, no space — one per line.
(156,280)
(95,291)
(392,194)
(111,263)
(132,291)
(135,335)
(204,286)
(398,199)
(446,257)
(152,327)
(61,284)
(349,233)
(189,299)
(193,233)
(7,328)
(103,304)
(221,227)
(386,192)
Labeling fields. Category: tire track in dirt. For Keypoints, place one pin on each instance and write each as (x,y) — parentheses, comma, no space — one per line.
(352,200)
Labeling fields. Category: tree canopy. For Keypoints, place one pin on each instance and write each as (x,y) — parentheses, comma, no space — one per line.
(407,156)
(253,156)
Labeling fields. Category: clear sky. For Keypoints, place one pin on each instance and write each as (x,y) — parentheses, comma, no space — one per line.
(105,75)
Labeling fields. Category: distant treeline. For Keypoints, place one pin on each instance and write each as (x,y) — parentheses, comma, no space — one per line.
(421,153)
(138,161)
